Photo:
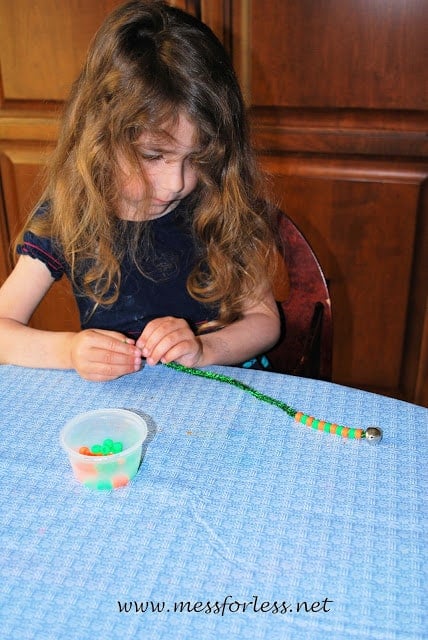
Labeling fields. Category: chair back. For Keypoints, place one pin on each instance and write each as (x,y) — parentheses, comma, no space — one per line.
(305,346)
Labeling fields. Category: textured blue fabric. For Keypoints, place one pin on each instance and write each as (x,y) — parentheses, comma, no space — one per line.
(234,503)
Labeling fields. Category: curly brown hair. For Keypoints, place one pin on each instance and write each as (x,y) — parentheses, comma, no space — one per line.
(148,63)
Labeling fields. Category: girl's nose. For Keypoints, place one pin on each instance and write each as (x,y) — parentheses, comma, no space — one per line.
(174,176)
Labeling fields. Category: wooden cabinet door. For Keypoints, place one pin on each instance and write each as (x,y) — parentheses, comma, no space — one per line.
(22,177)
(43,47)
(338,96)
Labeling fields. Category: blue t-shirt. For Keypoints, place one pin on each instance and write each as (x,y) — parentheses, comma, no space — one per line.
(167,259)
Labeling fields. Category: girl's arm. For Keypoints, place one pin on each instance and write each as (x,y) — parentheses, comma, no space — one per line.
(255,333)
(167,339)
(95,354)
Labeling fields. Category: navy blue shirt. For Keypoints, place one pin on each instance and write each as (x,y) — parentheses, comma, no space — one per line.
(167,259)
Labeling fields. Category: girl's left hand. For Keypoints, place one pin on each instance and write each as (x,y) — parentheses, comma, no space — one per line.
(167,339)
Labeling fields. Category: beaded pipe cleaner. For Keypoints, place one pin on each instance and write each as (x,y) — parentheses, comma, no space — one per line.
(373,435)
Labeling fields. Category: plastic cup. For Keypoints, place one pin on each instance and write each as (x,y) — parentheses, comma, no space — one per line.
(104,472)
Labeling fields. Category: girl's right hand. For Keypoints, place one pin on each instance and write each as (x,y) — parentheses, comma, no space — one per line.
(100,355)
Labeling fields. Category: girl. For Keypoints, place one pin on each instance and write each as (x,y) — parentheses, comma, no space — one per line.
(153,209)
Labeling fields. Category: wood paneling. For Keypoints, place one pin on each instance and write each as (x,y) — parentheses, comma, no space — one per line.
(5,263)
(21,174)
(339,54)
(362,226)
(44,44)
(22,180)
(421,386)
(337,92)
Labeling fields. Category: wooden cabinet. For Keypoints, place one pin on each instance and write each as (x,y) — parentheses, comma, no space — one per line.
(337,94)
(43,47)
(338,91)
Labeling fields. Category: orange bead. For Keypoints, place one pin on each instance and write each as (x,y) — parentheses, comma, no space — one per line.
(120,481)
(298,416)
(321,425)
(85,451)
(333,427)
(309,421)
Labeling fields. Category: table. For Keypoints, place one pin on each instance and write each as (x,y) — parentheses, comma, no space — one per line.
(240,524)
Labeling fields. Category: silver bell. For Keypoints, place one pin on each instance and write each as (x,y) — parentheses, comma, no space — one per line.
(373,435)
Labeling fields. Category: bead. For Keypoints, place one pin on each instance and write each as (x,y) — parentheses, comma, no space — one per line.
(120,481)
(85,451)
(373,435)
(104,485)
(107,448)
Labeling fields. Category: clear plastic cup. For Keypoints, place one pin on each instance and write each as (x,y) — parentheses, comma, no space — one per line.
(106,470)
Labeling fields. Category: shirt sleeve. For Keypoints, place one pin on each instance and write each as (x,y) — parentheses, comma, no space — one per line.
(42,249)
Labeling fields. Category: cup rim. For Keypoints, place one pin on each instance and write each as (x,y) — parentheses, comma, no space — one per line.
(110,458)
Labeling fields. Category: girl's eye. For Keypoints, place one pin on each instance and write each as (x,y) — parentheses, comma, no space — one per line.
(150,157)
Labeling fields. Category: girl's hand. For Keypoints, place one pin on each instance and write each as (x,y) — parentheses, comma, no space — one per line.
(167,339)
(101,355)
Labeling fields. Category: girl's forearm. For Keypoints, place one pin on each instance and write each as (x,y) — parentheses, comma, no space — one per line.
(28,347)
(240,341)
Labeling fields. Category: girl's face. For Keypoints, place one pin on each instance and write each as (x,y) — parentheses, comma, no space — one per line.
(167,163)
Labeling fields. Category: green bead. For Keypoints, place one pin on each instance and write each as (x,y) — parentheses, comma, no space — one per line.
(327,427)
(96,448)
(339,430)
(104,485)
(108,442)
(304,418)
(117,447)
(351,433)
(315,424)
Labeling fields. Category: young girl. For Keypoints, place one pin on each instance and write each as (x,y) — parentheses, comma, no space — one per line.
(153,209)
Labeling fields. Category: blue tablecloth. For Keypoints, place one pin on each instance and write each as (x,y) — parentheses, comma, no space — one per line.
(240,524)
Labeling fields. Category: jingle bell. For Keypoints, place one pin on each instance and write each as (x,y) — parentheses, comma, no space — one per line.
(373,435)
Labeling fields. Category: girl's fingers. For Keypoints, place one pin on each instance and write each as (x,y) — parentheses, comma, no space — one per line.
(105,355)
(112,341)
(162,334)
(175,346)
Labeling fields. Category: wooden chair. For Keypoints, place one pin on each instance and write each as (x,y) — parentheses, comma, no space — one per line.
(305,346)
